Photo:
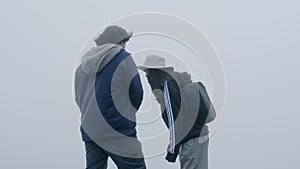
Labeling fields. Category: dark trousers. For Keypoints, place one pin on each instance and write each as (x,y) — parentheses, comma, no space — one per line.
(96,158)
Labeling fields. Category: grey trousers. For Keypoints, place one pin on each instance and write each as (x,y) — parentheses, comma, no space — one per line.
(194,154)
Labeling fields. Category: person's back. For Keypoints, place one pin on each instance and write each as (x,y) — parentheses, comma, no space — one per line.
(110,81)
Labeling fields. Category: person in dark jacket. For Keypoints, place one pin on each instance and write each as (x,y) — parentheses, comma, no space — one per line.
(108,93)
(182,111)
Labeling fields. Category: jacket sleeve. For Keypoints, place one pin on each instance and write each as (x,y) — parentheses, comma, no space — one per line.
(172,102)
(171,157)
(132,77)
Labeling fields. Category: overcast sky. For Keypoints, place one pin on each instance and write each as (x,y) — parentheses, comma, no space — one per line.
(258,44)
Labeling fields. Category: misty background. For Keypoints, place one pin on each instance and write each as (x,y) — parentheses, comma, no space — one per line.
(258,44)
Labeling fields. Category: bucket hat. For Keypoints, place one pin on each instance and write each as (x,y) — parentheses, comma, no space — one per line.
(112,34)
(154,62)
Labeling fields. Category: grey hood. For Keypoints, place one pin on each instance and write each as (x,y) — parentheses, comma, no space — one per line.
(98,57)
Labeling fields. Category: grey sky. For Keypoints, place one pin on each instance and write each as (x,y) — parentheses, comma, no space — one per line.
(257,42)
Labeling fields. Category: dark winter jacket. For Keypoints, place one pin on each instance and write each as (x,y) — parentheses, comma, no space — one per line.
(183,100)
(108,93)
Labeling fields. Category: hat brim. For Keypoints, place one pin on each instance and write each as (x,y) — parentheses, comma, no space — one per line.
(143,68)
(129,35)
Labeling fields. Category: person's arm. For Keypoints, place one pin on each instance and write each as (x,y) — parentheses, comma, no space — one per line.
(132,77)
(136,92)
(171,157)
(172,101)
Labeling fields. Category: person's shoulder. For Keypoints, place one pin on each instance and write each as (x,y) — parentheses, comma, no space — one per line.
(124,53)
(190,88)
(200,84)
(123,57)
(173,85)
(171,82)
